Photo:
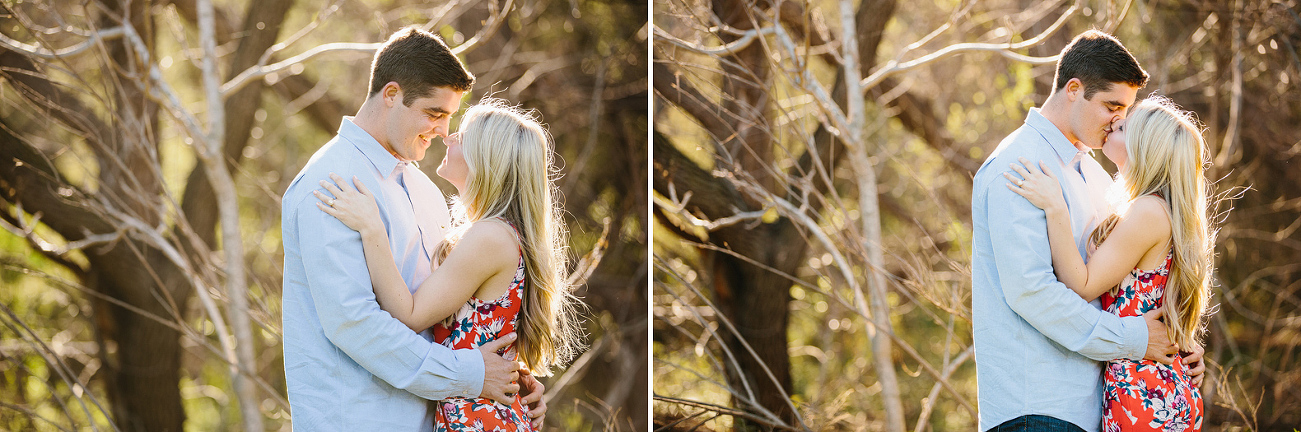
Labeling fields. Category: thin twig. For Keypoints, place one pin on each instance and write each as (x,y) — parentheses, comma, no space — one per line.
(1006,49)
(44,53)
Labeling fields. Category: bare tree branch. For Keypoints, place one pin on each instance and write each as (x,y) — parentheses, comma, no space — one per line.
(41,52)
(1005,49)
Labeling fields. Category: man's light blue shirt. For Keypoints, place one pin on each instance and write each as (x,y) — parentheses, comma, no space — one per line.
(349,365)
(1038,344)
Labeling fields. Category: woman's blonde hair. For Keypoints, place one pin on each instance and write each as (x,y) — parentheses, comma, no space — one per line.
(1167,156)
(509,157)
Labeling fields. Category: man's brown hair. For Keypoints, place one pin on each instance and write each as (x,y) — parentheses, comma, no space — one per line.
(1098,60)
(418,61)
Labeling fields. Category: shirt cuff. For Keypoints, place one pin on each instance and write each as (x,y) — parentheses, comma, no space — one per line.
(1135,337)
(474,373)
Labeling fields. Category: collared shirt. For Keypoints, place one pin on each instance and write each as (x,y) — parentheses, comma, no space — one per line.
(349,365)
(1038,344)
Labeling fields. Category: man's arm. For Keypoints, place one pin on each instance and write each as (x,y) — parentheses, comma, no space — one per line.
(352,320)
(1024,262)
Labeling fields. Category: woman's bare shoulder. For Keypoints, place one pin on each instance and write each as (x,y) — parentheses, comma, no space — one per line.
(1148,213)
(490,235)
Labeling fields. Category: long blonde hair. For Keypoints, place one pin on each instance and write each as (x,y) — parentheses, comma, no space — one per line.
(509,157)
(1167,156)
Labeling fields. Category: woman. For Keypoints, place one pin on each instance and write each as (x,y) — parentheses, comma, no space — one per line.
(499,269)
(1157,248)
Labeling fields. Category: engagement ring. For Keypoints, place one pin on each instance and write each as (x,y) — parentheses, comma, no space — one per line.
(330,202)
(1018,184)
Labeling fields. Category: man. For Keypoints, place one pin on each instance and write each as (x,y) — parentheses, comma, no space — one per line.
(349,365)
(1038,344)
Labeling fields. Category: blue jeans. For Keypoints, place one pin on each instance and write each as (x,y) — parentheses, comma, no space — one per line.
(1036,423)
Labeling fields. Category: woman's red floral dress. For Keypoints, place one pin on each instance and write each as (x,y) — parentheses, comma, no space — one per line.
(477,323)
(1146,395)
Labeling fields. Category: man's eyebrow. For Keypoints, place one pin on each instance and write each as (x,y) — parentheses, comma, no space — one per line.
(437,110)
(1114,104)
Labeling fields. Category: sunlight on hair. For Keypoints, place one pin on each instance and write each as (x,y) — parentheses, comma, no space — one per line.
(1167,156)
(511,169)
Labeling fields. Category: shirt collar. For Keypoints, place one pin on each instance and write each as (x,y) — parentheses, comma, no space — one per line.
(381,159)
(1065,149)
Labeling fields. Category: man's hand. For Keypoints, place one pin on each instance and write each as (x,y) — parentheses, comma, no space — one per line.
(1196,367)
(499,374)
(1159,347)
(533,401)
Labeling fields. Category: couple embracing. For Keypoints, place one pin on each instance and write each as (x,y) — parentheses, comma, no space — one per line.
(1088,294)
(400,314)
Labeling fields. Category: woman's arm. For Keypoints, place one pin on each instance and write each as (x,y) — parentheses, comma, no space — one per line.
(357,209)
(1068,265)
(485,254)
(1138,232)
(477,257)
(1042,189)
(1145,226)
(391,290)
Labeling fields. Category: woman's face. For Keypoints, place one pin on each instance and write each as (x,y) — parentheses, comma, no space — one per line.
(453,167)
(1114,146)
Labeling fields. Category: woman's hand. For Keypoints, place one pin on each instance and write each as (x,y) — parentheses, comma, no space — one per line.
(532,390)
(356,208)
(1039,186)
(1196,367)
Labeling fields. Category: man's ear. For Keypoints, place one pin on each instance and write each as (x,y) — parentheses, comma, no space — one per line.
(392,94)
(1074,89)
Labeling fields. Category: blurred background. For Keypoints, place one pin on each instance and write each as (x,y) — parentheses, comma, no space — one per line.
(144,146)
(812,250)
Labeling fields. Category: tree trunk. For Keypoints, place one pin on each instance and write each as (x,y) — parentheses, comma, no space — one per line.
(147,371)
(753,298)
(147,374)
(758,303)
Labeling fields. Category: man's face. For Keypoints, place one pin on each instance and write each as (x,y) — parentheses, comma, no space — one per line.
(410,128)
(453,167)
(1091,118)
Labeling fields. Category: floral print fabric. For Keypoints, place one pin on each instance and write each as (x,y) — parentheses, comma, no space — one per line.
(476,323)
(1146,395)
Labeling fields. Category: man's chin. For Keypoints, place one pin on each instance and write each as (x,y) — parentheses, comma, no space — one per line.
(418,156)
